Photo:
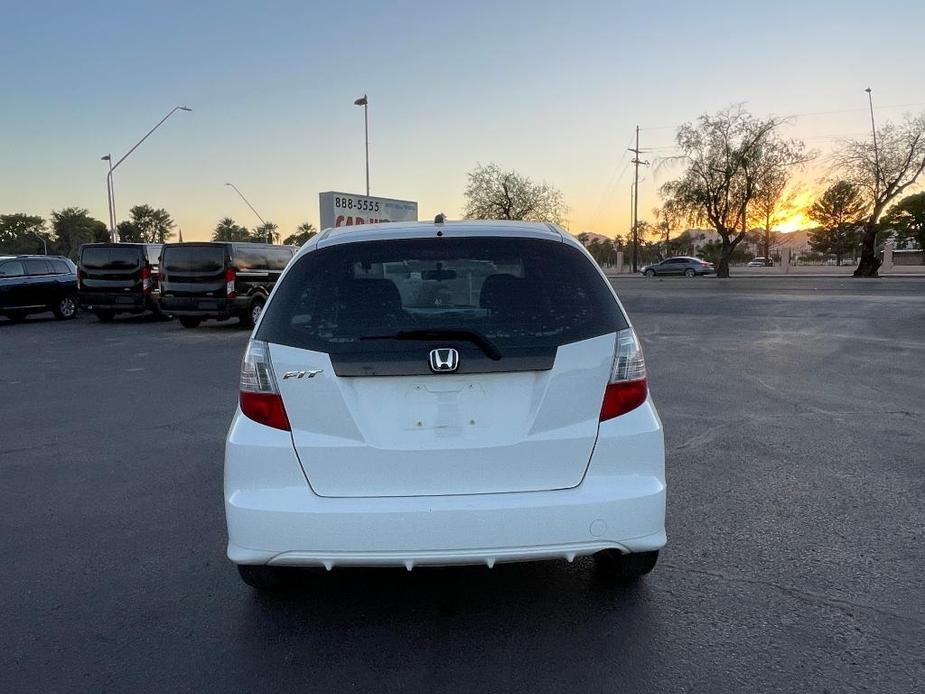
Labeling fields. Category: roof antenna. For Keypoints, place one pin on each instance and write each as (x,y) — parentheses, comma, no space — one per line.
(440,218)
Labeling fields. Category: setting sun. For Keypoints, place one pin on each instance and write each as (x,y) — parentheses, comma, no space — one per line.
(794,217)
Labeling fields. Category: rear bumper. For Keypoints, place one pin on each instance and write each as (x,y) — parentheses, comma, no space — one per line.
(130,302)
(273,516)
(204,307)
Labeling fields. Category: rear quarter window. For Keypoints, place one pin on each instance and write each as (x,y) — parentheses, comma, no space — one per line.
(261,258)
(516,292)
(11,268)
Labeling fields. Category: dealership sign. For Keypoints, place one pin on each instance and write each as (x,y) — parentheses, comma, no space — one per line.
(346,209)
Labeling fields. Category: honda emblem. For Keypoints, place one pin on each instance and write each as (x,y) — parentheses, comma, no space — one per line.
(444,360)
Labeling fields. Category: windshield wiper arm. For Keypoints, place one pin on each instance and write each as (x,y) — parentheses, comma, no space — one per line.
(473,336)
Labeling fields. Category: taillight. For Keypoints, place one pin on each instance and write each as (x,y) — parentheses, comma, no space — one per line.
(627,388)
(146,281)
(260,399)
(229,283)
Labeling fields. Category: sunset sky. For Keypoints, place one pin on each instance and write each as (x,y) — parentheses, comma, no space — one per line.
(553,90)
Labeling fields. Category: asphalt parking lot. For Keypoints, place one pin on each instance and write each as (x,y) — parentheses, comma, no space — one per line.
(794,412)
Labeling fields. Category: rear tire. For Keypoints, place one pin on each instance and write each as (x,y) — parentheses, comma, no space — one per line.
(250,317)
(190,321)
(625,568)
(66,308)
(265,578)
(649,273)
(689,273)
(104,316)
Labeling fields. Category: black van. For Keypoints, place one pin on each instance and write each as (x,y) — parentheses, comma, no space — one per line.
(219,280)
(118,278)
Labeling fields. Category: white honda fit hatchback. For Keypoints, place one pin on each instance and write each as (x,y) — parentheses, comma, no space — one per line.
(433,394)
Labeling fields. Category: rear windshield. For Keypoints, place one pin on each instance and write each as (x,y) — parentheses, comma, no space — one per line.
(516,292)
(194,258)
(110,257)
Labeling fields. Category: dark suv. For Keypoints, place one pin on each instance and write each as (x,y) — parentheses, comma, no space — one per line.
(219,280)
(119,278)
(37,283)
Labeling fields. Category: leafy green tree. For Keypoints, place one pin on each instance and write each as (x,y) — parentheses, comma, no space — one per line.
(268,232)
(493,193)
(839,212)
(148,225)
(302,234)
(73,227)
(907,219)
(603,250)
(22,233)
(129,231)
(229,230)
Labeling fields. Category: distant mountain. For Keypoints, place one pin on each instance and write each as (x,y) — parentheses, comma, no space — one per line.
(587,237)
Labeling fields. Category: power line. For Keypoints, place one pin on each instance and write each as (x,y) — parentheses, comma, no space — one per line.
(810,113)
(611,183)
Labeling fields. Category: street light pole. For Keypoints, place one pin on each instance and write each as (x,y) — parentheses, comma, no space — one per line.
(113,167)
(246,202)
(364,102)
(109,196)
(873,129)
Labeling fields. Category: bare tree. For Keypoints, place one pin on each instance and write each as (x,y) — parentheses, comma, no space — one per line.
(667,220)
(884,171)
(726,157)
(493,193)
(772,197)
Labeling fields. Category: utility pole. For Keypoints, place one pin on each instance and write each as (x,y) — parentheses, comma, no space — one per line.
(636,162)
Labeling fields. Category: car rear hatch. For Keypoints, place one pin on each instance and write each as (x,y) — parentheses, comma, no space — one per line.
(193,271)
(360,336)
(111,273)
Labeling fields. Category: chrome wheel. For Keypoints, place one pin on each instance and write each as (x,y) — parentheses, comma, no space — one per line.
(256,309)
(66,308)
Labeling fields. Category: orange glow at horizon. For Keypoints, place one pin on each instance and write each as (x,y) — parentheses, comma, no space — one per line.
(795,216)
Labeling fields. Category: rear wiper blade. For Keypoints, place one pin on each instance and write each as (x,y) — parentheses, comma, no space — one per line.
(473,336)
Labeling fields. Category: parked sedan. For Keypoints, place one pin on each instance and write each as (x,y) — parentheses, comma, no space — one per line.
(760,261)
(35,284)
(682,265)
